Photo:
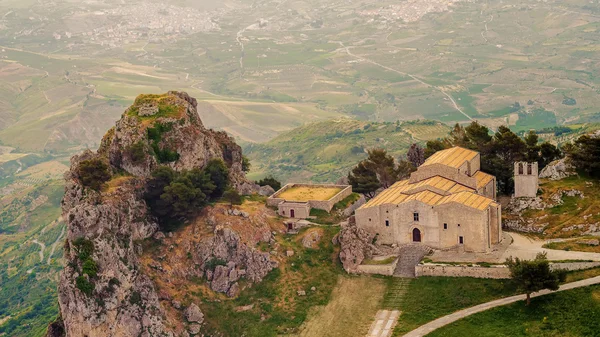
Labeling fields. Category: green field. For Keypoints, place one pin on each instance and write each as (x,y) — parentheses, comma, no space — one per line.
(568,313)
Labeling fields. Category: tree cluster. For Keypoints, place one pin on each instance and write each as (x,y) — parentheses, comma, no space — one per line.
(176,196)
(270,181)
(499,151)
(585,154)
(379,170)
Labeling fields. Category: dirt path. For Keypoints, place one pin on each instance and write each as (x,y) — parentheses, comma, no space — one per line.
(354,303)
(443,321)
(42,248)
(525,247)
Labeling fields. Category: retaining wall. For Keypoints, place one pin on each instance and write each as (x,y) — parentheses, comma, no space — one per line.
(379,269)
(500,272)
(495,272)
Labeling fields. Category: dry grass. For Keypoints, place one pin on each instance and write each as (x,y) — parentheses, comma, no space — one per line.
(353,305)
(572,245)
(306,193)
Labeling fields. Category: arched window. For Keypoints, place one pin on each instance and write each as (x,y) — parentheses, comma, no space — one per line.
(520,168)
(529,169)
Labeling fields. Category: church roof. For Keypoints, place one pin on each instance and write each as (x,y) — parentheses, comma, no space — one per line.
(482,178)
(453,157)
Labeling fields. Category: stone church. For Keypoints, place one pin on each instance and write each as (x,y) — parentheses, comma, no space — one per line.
(447,203)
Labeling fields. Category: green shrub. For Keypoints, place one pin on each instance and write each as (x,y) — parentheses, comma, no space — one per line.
(219,175)
(84,248)
(137,152)
(246,164)
(233,197)
(90,267)
(84,285)
(274,183)
(213,263)
(93,173)
(135,298)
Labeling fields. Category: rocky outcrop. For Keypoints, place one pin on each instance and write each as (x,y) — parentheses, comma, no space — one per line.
(557,170)
(252,188)
(356,245)
(177,127)
(223,259)
(311,239)
(118,300)
(104,288)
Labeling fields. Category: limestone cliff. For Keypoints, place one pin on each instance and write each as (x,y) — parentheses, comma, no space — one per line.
(104,289)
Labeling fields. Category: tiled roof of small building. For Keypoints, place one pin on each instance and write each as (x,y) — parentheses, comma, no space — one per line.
(453,157)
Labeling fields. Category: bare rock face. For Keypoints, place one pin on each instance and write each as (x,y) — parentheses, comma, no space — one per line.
(356,246)
(558,170)
(224,260)
(193,314)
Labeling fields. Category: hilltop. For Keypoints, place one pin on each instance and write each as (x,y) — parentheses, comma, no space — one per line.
(326,151)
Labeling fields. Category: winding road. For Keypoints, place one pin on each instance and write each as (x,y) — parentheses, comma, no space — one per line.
(443,321)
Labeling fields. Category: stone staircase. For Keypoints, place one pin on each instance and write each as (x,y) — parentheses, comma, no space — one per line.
(396,289)
(410,256)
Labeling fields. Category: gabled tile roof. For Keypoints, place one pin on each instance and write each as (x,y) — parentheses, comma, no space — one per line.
(453,157)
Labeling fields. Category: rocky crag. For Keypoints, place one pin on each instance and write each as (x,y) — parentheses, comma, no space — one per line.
(104,289)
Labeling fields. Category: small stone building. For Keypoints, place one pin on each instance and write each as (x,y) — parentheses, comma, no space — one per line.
(526,180)
(447,203)
(296,200)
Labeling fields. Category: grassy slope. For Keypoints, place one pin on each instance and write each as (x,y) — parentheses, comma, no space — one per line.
(570,313)
(354,303)
(572,211)
(428,298)
(275,298)
(326,151)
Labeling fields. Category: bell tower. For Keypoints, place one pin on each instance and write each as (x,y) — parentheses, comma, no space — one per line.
(526,180)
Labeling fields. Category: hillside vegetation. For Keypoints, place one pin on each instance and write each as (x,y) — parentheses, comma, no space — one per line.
(326,151)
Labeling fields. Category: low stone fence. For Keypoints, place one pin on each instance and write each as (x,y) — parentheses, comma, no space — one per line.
(574,265)
(495,272)
(356,205)
(378,269)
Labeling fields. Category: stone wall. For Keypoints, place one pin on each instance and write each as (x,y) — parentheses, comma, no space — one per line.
(426,172)
(327,205)
(494,272)
(575,265)
(377,269)
(301,209)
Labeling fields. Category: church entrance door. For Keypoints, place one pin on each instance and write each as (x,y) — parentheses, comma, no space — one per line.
(416,234)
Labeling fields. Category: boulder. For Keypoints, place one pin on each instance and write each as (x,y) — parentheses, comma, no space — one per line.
(194,329)
(311,240)
(266,191)
(193,314)
(557,170)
